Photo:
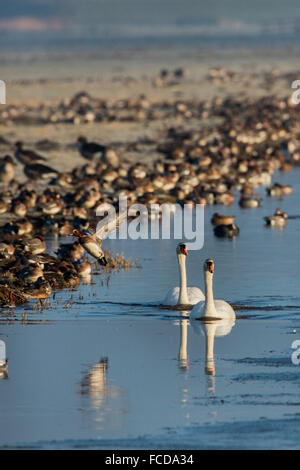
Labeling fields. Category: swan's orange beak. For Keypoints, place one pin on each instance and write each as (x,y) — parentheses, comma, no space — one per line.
(211,267)
(184,251)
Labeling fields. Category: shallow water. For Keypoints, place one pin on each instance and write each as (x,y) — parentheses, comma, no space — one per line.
(104,366)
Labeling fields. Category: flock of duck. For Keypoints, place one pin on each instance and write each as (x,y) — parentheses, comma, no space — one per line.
(83,108)
(32,211)
(249,140)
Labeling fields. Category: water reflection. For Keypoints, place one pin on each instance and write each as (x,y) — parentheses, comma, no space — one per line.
(183,361)
(86,278)
(94,382)
(212,329)
(95,385)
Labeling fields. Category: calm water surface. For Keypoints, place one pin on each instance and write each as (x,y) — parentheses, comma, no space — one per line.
(104,366)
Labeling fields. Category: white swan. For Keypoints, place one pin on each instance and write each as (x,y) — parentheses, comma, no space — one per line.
(211,308)
(183,295)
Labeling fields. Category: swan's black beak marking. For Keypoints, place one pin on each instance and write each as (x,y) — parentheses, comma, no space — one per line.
(184,250)
(102,261)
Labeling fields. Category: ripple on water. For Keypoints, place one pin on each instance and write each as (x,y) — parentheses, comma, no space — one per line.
(292,377)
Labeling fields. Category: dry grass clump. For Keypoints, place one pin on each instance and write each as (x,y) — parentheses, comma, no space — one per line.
(9,296)
(117,261)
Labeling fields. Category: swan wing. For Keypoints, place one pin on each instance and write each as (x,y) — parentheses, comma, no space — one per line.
(198,310)
(195,295)
(224,310)
(172,297)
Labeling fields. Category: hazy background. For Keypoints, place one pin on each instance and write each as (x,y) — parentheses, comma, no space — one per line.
(123,22)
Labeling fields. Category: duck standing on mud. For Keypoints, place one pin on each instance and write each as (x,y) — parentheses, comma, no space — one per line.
(26,157)
(92,150)
(38,171)
(89,150)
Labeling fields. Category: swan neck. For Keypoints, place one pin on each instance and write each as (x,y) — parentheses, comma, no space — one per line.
(210,309)
(183,296)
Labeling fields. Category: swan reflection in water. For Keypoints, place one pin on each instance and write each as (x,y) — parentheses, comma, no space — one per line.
(210,329)
(183,360)
(3,361)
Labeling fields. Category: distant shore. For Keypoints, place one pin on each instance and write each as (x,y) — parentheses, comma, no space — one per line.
(48,77)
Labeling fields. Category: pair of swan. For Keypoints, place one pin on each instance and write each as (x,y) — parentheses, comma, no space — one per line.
(204,306)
